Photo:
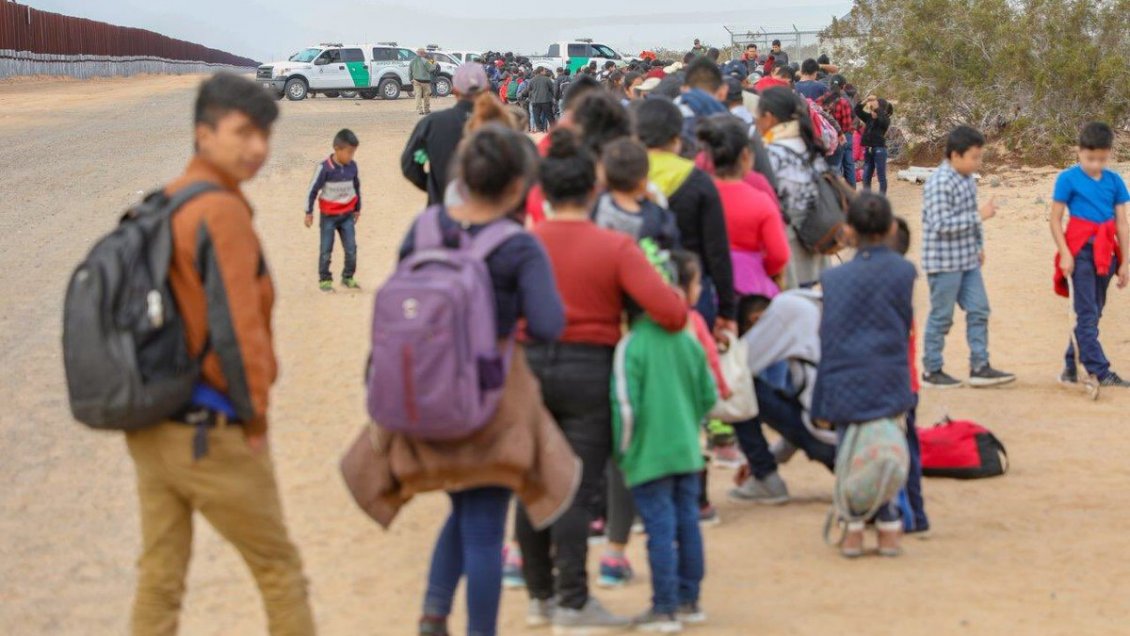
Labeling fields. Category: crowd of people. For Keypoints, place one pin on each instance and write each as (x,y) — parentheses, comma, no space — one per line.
(654,229)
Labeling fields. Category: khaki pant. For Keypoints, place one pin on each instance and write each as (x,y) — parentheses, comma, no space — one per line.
(423,92)
(235,491)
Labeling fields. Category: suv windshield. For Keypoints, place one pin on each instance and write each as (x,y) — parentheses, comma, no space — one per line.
(605,52)
(305,55)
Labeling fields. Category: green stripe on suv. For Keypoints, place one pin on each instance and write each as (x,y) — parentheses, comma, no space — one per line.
(359,71)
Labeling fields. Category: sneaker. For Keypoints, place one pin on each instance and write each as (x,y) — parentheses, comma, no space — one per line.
(708,516)
(691,614)
(770,491)
(350,283)
(1112,379)
(512,577)
(539,613)
(1069,376)
(782,451)
(638,528)
(432,626)
(728,456)
(657,623)
(615,571)
(940,380)
(987,376)
(326,285)
(596,532)
(590,619)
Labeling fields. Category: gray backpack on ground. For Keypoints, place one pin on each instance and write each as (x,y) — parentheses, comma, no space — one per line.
(124,349)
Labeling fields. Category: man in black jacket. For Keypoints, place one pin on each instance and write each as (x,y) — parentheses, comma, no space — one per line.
(694,199)
(541,93)
(436,136)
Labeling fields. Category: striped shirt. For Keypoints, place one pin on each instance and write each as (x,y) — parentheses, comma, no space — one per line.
(336,188)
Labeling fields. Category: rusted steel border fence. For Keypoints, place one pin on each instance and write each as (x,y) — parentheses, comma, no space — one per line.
(34,42)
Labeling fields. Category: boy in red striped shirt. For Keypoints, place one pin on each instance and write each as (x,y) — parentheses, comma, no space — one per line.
(337,189)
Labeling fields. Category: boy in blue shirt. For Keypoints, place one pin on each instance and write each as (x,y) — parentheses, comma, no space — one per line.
(1090,250)
(337,189)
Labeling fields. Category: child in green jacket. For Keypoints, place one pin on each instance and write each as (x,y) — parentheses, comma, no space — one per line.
(662,388)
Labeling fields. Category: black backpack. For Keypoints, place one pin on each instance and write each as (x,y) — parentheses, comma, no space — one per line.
(822,229)
(124,348)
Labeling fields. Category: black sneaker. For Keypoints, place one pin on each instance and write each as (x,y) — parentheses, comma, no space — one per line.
(940,380)
(1069,376)
(987,376)
(1112,379)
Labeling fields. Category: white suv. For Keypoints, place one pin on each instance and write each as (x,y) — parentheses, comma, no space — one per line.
(330,69)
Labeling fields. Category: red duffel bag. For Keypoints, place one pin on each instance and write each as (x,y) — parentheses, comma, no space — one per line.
(961,450)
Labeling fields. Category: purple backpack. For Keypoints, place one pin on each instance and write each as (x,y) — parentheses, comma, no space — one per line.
(436,371)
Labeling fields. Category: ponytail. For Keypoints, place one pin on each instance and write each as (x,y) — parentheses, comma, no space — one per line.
(787,106)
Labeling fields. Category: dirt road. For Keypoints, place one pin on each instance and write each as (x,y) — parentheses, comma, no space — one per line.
(1041,551)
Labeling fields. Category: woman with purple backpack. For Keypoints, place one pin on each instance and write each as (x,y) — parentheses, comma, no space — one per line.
(519,448)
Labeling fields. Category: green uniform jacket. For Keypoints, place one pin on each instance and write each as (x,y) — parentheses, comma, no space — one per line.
(661,391)
(420,69)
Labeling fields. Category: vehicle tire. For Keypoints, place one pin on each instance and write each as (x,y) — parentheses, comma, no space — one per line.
(389,88)
(296,89)
(368,94)
(333,94)
(443,86)
(348,94)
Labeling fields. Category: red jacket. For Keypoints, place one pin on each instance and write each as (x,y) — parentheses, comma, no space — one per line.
(1106,247)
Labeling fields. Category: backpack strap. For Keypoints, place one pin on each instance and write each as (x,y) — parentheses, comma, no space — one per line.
(492,237)
(189,192)
(427,231)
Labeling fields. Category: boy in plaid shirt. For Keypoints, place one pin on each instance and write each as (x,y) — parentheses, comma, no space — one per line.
(952,256)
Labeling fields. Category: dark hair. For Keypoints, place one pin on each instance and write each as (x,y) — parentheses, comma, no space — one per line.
(713,54)
(688,58)
(492,157)
(345,137)
(776,43)
(961,139)
(687,267)
(579,88)
(787,106)
(809,67)
(625,164)
(610,64)
(658,122)
(823,59)
(751,45)
(747,306)
(615,80)
(784,72)
(870,214)
(225,93)
(560,70)
(1096,136)
(703,74)
(601,118)
(631,77)
(725,137)
(568,172)
(901,241)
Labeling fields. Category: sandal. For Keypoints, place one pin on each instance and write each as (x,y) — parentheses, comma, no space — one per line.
(890,535)
(851,546)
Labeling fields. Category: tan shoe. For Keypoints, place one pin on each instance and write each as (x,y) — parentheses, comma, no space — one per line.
(851,547)
(890,538)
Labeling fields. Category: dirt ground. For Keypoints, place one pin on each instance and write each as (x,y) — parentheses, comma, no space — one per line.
(1043,550)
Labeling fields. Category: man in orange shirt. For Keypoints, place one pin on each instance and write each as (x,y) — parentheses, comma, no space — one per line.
(213,456)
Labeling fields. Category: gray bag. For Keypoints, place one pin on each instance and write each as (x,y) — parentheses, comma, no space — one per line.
(124,349)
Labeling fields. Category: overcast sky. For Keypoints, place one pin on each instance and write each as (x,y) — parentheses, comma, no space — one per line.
(269,29)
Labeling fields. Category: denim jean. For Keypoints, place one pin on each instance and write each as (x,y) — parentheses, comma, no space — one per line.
(708,301)
(875,161)
(847,160)
(470,544)
(836,159)
(966,290)
(669,509)
(543,116)
(911,502)
(1090,300)
(785,416)
(889,510)
(344,225)
(574,383)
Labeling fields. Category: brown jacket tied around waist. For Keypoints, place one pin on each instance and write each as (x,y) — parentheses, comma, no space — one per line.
(521,448)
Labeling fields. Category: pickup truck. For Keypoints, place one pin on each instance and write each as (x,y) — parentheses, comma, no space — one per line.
(576,55)
(331,69)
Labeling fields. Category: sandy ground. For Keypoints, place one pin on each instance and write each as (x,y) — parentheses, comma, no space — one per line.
(1041,551)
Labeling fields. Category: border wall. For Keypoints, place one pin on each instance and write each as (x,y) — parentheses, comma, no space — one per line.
(34,42)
